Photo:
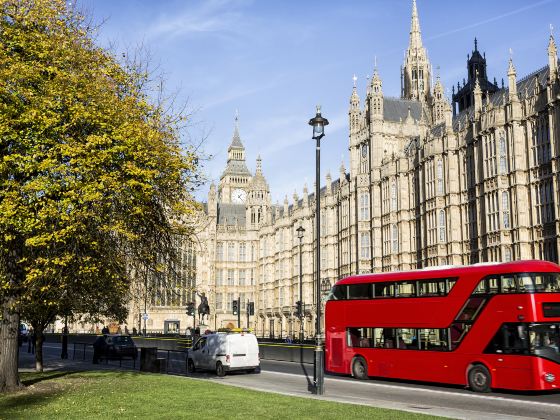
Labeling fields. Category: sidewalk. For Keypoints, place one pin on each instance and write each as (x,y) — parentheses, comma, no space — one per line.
(52,361)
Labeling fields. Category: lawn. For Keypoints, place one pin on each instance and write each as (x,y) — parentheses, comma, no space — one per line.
(123,395)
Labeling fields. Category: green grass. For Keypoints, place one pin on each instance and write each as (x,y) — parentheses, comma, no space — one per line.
(124,395)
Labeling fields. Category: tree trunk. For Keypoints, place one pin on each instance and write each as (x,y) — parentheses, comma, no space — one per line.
(39,339)
(9,346)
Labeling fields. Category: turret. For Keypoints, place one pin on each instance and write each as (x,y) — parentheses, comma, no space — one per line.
(212,200)
(512,82)
(376,97)
(440,107)
(354,111)
(552,57)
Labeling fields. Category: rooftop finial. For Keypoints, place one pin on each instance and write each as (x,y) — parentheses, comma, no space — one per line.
(354,78)
(475,44)
(551,29)
(375,62)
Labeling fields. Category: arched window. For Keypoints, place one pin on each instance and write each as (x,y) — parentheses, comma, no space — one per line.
(440,176)
(507,254)
(364,206)
(505,209)
(364,245)
(442,226)
(503,156)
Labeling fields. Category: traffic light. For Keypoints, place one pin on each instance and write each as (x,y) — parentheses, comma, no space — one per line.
(190,308)
(299,308)
(235,306)
(251,308)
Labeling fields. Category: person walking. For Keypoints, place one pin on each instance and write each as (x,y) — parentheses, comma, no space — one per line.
(32,338)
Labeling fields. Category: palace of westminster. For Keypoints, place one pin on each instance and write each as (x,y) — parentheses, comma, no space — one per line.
(430,183)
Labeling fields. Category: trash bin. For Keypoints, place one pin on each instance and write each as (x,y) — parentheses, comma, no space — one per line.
(148,359)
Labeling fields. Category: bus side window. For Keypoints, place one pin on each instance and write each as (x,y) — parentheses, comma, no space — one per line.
(493,285)
(449,285)
(383,290)
(509,339)
(406,289)
(408,338)
(525,282)
(389,339)
(354,336)
(508,284)
(359,291)
(457,332)
(481,288)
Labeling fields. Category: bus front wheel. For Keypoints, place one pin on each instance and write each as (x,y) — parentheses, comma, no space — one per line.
(359,368)
(479,379)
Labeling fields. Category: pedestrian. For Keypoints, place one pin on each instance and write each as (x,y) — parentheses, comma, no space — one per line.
(126,332)
(188,333)
(105,330)
(29,339)
(33,339)
(99,348)
(134,331)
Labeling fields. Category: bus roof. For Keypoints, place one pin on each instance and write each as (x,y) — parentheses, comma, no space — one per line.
(454,271)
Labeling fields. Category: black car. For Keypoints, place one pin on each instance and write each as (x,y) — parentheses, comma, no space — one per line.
(114,346)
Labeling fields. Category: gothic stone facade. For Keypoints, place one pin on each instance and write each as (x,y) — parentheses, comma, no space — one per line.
(431,182)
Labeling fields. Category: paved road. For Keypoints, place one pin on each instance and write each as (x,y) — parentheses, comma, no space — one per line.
(294,378)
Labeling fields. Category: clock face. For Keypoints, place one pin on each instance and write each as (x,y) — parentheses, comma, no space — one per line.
(238,196)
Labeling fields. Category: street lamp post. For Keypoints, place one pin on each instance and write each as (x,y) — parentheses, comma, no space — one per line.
(300,230)
(318,124)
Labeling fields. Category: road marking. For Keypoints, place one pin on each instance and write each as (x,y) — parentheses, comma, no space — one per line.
(432,391)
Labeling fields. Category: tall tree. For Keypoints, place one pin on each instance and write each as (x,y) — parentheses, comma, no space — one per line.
(92,174)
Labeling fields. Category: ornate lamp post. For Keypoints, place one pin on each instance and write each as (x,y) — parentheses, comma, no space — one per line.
(300,230)
(318,124)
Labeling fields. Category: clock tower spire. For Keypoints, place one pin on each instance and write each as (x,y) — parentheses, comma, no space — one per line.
(236,177)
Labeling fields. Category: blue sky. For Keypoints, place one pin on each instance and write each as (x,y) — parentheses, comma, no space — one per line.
(274,60)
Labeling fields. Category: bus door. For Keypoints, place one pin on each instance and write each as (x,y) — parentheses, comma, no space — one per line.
(508,350)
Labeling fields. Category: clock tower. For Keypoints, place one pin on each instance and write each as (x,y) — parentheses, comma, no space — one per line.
(236,178)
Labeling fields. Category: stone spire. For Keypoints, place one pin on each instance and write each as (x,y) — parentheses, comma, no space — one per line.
(552,56)
(512,82)
(416,70)
(415,40)
(477,93)
(236,150)
(259,166)
(354,111)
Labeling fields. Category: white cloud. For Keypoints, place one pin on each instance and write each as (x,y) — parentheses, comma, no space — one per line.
(207,16)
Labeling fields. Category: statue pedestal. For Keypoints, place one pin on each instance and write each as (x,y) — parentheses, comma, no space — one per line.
(203,328)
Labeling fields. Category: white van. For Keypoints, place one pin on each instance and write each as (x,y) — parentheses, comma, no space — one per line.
(223,352)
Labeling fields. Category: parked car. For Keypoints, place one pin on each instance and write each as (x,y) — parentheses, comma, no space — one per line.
(114,346)
(224,352)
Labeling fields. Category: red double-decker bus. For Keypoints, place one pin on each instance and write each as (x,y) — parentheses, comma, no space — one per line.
(485,326)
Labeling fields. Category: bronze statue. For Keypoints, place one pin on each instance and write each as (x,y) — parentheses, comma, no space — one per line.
(203,308)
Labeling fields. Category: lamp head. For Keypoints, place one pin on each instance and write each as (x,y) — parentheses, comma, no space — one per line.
(318,124)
